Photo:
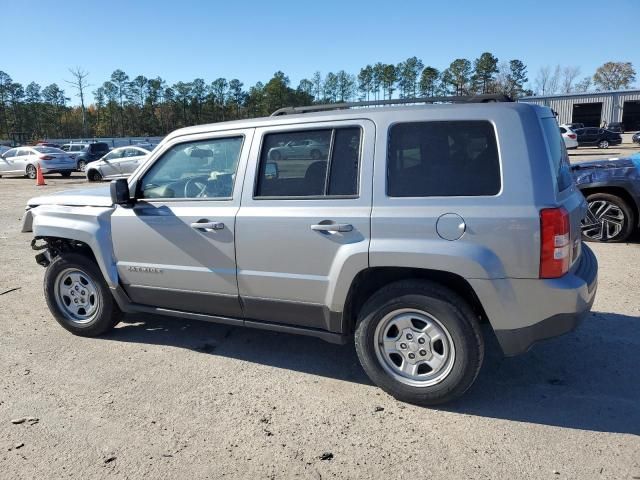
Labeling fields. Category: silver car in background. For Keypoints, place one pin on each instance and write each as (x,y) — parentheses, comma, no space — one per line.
(25,160)
(118,163)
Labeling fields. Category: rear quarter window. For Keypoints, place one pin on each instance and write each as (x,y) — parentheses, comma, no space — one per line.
(558,151)
(454,158)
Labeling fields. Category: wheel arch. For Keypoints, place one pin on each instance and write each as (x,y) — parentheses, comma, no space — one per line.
(372,279)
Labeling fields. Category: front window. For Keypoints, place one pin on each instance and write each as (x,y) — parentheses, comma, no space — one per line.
(199,169)
(113,155)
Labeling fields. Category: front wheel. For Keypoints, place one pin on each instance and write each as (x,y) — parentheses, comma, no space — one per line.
(419,342)
(603,144)
(79,297)
(609,219)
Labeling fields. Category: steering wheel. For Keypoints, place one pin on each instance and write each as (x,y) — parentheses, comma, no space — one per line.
(196,187)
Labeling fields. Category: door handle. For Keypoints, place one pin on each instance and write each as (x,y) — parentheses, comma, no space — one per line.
(332,227)
(207,226)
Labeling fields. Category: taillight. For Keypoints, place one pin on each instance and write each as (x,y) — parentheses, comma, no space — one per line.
(46,157)
(555,242)
(572,136)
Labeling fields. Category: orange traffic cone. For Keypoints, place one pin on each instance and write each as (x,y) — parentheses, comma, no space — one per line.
(39,177)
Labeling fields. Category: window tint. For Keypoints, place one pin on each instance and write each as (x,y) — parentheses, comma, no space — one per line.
(559,156)
(11,153)
(202,169)
(309,163)
(457,158)
(114,154)
(47,150)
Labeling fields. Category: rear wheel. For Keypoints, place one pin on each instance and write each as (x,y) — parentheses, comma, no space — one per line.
(82,165)
(609,219)
(79,297)
(419,342)
(31,172)
(603,144)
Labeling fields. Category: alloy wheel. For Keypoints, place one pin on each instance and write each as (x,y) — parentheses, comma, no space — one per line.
(414,347)
(604,221)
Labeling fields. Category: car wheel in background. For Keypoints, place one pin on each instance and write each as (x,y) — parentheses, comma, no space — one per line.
(420,342)
(94,176)
(609,219)
(31,172)
(603,144)
(82,165)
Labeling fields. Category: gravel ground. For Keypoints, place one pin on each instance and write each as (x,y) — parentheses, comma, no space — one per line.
(165,398)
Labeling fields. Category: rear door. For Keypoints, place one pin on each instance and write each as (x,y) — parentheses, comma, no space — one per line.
(304,222)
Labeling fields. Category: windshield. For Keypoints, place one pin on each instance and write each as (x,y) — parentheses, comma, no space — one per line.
(47,150)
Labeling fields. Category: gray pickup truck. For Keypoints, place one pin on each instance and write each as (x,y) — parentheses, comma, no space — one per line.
(416,224)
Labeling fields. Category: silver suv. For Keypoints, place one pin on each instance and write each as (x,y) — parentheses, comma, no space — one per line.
(411,228)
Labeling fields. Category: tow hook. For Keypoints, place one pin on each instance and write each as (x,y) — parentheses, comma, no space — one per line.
(43,258)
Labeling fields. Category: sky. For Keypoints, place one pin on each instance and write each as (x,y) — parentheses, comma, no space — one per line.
(250,40)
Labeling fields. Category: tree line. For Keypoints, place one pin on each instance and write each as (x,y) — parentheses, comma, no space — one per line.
(125,105)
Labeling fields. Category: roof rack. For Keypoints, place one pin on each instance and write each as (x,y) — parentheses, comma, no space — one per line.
(399,101)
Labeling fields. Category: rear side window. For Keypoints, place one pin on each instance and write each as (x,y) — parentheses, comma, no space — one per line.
(443,159)
(559,156)
(310,163)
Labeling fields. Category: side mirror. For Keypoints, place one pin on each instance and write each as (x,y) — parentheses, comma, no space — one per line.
(271,170)
(120,192)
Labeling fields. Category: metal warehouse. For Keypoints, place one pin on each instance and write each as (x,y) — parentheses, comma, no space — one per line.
(593,109)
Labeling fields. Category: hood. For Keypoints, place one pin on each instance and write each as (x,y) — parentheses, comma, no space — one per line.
(92,197)
(605,163)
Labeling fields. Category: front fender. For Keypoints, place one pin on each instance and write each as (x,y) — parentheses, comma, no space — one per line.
(90,225)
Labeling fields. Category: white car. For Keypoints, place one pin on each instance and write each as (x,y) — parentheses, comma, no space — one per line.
(569,136)
(118,163)
(25,161)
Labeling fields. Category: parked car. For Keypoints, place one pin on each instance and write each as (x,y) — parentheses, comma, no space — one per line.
(419,226)
(569,137)
(118,163)
(573,126)
(612,190)
(25,160)
(86,153)
(300,148)
(600,137)
(617,127)
(47,144)
(636,137)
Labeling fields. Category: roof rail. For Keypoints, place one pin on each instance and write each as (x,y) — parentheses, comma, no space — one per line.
(398,101)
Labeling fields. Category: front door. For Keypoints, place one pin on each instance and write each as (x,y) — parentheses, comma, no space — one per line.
(175,248)
(303,226)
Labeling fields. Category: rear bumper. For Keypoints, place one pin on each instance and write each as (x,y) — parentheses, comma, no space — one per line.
(525,311)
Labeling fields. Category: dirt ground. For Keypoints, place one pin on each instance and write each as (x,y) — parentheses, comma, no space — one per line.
(169,398)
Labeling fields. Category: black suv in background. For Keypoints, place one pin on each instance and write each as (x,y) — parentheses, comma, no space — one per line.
(89,153)
(597,136)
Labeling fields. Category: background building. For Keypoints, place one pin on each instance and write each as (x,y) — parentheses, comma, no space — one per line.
(594,108)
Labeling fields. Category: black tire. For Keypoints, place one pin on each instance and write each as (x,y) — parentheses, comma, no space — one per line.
(629,222)
(31,172)
(82,165)
(107,314)
(65,174)
(451,311)
(603,144)
(94,176)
